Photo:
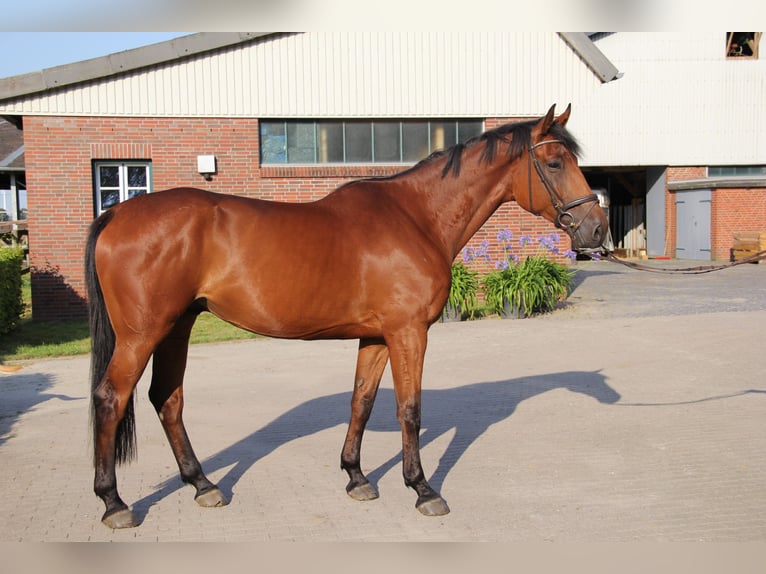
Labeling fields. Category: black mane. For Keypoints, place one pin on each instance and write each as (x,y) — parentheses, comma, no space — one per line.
(517,134)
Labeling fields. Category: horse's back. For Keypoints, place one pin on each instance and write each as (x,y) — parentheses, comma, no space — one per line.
(330,268)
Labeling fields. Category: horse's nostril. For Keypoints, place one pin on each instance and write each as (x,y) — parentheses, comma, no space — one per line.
(598,233)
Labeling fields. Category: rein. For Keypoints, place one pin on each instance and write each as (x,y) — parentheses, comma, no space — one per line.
(686,270)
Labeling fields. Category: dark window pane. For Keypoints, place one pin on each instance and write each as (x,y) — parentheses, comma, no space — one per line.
(414,141)
(468,129)
(109,198)
(308,141)
(271,128)
(442,135)
(273,142)
(136,192)
(301,144)
(330,142)
(358,142)
(110,175)
(136,176)
(386,142)
(736,170)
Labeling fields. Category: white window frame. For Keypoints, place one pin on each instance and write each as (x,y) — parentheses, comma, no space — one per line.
(124,190)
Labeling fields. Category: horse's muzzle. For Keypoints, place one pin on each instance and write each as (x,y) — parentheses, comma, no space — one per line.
(599,239)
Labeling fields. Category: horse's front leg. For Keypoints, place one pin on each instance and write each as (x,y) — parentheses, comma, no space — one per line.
(166,395)
(370,364)
(407,348)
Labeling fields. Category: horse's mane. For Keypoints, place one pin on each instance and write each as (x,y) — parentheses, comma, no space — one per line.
(517,134)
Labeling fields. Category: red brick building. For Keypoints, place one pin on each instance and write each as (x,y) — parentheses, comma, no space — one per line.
(153,112)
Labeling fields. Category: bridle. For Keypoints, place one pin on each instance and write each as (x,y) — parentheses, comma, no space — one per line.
(564,219)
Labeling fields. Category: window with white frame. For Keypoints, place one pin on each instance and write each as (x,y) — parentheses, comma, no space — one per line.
(118,181)
(360,141)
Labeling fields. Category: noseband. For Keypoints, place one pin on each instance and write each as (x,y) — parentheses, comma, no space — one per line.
(564,219)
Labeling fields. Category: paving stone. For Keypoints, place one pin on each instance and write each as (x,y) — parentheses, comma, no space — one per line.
(635,413)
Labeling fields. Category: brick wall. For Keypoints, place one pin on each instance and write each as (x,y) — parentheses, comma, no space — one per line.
(59,152)
(670,223)
(732,210)
(685,173)
(735,210)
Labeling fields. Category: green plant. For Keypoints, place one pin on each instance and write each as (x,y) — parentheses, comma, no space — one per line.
(533,285)
(462,294)
(11,302)
(523,287)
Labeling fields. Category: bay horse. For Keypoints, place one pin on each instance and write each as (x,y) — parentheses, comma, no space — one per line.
(369,261)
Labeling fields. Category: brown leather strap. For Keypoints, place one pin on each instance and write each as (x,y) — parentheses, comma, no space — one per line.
(686,270)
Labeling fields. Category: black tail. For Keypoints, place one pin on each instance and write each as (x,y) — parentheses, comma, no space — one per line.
(102,345)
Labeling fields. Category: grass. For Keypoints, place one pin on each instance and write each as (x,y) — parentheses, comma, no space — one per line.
(44,339)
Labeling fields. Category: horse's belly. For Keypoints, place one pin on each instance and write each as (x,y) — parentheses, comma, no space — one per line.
(295,321)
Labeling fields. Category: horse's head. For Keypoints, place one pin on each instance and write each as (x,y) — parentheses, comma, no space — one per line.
(557,189)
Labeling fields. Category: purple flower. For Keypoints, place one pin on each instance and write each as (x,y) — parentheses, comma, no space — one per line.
(525,240)
(483,251)
(570,254)
(504,235)
(545,241)
(501,265)
(468,254)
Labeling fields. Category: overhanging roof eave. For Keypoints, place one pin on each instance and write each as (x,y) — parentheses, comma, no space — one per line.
(594,58)
(121,62)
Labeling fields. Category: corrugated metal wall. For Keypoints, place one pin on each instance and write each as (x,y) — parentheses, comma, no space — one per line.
(345,74)
(679,102)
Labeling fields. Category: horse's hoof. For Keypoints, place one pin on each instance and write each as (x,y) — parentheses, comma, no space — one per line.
(433,507)
(211,498)
(122,518)
(363,492)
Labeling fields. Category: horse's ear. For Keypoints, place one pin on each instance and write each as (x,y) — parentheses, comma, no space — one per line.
(546,122)
(563,118)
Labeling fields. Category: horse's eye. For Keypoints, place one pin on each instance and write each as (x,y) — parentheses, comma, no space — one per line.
(554,164)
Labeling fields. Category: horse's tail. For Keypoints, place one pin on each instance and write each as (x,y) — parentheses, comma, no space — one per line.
(102,345)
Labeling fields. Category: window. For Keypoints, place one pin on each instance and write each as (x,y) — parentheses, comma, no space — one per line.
(359,141)
(13,196)
(118,181)
(742,44)
(736,170)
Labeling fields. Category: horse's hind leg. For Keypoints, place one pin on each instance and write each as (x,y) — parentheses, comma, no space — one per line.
(371,362)
(113,426)
(166,395)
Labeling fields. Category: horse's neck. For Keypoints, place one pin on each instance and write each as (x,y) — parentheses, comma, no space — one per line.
(455,207)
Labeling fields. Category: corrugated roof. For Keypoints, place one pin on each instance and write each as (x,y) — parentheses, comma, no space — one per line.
(120,62)
(193,44)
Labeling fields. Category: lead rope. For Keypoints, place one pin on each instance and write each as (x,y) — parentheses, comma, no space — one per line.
(686,270)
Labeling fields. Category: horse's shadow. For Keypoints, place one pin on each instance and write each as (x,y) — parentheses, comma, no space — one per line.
(468,410)
(21,394)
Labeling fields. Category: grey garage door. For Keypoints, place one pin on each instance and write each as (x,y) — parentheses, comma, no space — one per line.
(693,224)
